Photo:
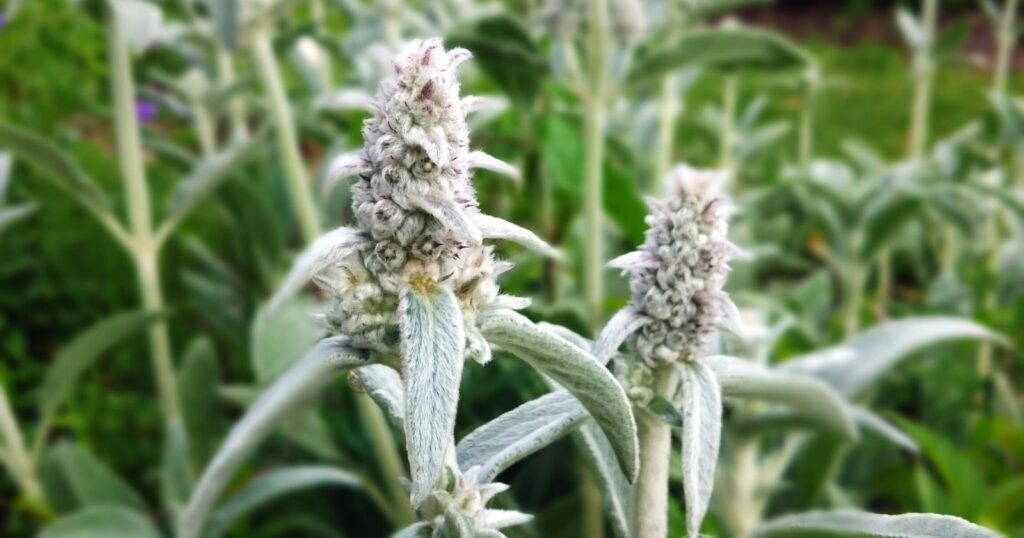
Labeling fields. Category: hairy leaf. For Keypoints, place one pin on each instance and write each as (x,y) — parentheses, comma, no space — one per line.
(624,323)
(433,344)
(805,394)
(702,431)
(329,248)
(615,488)
(277,341)
(73,478)
(854,523)
(106,521)
(384,385)
(87,346)
(495,228)
(198,382)
(853,366)
(576,370)
(518,433)
(289,393)
(278,483)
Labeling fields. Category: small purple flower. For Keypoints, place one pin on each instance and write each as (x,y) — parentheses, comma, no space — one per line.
(145,111)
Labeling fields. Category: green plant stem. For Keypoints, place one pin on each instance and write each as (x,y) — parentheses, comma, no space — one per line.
(729,97)
(741,501)
(287,141)
(236,108)
(205,130)
(593,139)
(855,280)
(807,122)
(388,459)
(924,75)
(593,506)
(21,465)
(1006,35)
(650,493)
(668,113)
(143,247)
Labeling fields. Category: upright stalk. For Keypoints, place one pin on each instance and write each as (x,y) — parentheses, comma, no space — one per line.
(287,141)
(1006,37)
(18,460)
(388,458)
(924,74)
(807,117)
(729,96)
(593,139)
(143,247)
(236,108)
(668,113)
(650,494)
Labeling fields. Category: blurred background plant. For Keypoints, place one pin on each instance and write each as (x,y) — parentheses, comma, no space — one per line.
(877,155)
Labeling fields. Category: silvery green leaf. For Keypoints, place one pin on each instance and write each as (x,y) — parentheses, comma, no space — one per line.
(175,472)
(209,174)
(624,323)
(384,386)
(77,356)
(500,519)
(481,160)
(346,99)
(10,215)
(484,105)
(73,478)
(637,259)
(617,493)
(140,22)
(433,347)
(456,525)
(802,393)
(495,228)
(343,166)
(277,483)
(227,17)
(416,530)
(873,423)
(107,521)
(500,443)
(912,30)
(854,365)
(278,340)
(477,347)
(329,248)
(702,430)
(451,215)
(289,393)
(854,523)
(56,165)
(6,163)
(663,409)
(574,369)
(489,533)
(509,302)
(568,335)
(198,380)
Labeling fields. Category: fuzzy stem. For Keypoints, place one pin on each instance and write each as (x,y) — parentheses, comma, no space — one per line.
(668,112)
(593,505)
(650,494)
(854,300)
(143,251)
(21,466)
(739,510)
(924,74)
(205,130)
(287,141)
(388,459)
(729,95)
(236,108)
(1005,39)
(593,135)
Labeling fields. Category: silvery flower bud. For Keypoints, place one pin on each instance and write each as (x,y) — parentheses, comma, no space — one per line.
(676,277)
(415,208)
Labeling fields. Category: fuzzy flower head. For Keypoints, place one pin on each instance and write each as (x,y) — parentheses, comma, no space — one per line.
(417,220)
(465,495)
(676,277)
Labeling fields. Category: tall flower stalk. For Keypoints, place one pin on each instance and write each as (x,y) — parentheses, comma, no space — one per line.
(676,279)
(595,120)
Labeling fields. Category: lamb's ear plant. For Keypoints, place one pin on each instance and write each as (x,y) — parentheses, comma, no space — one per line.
(141,238)
(412,287)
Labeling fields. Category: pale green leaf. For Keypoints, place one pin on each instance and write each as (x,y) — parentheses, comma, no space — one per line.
(384,386)
(73,478)
(853,523)
(277,483)
(702,431)
(576,370)
(102,522)
(433,344)
(198,382)
(288,394)
(278,340)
